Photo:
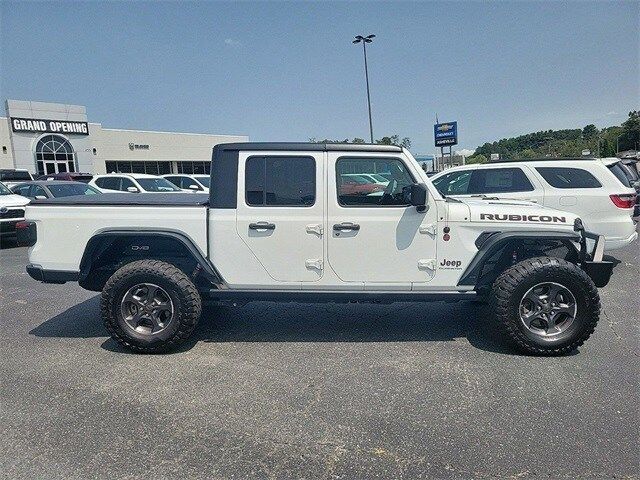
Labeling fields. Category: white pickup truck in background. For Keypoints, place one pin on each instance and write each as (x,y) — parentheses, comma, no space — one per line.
(285,222)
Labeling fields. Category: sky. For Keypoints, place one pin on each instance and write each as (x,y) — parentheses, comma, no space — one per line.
(288,71)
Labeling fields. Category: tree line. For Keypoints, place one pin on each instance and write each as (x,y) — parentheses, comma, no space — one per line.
(386,140)
(566,143)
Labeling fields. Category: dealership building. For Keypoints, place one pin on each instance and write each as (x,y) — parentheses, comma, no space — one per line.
(46,138)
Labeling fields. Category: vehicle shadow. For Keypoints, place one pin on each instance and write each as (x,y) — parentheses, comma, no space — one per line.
(274,322)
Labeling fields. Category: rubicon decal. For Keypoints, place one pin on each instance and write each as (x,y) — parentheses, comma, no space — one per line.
(523,218)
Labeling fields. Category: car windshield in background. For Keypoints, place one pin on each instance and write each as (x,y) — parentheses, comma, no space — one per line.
(71,189)
(4,190)
(157,185)
(203,179)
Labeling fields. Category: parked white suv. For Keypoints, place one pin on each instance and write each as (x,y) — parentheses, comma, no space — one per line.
(189,183)
(585,187)
(11,211)
(132,183)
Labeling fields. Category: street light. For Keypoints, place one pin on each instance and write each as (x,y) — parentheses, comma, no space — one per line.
(364,41)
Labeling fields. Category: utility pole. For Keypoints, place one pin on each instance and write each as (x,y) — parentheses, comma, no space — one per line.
(364,41)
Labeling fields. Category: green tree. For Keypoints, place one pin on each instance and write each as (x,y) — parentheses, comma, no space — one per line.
(527,153)
(589,131)
(477,158)
(630,139)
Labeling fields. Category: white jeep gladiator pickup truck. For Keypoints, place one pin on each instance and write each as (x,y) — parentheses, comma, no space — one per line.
(296,222)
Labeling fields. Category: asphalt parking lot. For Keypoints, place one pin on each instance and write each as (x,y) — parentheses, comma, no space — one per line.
(313,391)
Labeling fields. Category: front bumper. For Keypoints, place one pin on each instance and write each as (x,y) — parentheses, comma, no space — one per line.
(593,263)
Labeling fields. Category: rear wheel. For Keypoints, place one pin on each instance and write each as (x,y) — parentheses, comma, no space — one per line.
(150,306)
(547,306)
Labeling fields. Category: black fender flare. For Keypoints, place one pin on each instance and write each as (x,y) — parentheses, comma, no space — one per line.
(489,243)
(101,242)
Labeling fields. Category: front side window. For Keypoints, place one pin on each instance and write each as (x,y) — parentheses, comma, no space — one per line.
(454,183)
(498,180)
(280,181)
(371,182)
(127,183)
(157,185)
(204,180)
(38,191)
(563,177)
(4,190)
(19,189)
(70,189)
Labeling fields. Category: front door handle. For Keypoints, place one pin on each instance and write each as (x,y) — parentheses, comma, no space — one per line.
(346,227)
(262,226)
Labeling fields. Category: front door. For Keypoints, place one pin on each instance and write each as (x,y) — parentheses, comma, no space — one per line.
(374,237)
(281,211)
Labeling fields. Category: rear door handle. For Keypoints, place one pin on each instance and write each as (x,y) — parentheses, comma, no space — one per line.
(346,227)
(262,226)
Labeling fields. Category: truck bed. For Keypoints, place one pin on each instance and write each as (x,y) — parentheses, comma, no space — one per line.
(65,225)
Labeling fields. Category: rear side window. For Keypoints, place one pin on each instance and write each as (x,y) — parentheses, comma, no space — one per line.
(498,180)
(280,181)
(563,177)
(620,174)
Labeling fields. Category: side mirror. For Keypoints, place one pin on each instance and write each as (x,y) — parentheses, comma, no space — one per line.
(132,190)
(195,188)
(415,195)
(40,197)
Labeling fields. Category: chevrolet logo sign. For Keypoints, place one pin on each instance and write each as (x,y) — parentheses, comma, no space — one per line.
(445,127)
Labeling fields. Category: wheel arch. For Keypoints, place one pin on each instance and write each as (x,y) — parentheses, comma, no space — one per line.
(109,250)
(498,247)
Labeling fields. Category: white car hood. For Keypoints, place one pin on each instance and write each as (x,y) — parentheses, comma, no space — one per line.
(13,200)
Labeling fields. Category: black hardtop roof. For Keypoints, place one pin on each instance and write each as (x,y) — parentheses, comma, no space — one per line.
(308,146)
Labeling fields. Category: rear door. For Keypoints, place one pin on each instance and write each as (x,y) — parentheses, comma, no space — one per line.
(280,212)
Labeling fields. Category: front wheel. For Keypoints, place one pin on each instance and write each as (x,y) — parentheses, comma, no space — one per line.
(150,306)
(547,306)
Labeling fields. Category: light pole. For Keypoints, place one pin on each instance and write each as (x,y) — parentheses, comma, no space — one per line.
(364,41)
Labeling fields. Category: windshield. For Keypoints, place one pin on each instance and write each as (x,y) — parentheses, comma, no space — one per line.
(157,185)
(4,190)
(71,189)
(203,179)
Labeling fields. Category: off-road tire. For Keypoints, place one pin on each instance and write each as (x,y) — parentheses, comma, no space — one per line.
(512,284)
(183,293)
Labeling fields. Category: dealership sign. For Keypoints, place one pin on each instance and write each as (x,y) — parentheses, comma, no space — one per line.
(445,134)
(49,126)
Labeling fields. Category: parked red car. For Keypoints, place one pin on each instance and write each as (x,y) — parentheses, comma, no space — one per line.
(357,185)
